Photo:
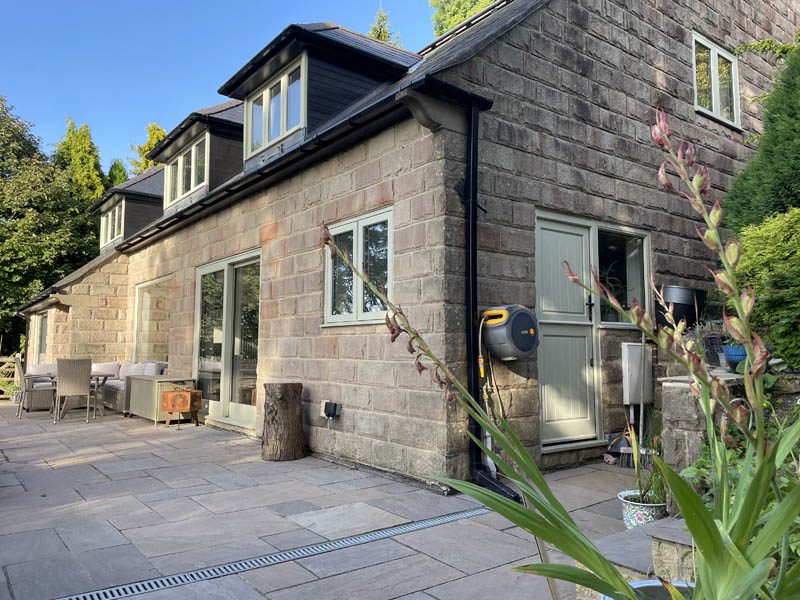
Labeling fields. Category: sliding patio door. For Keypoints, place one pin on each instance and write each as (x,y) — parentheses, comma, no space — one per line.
(227,338)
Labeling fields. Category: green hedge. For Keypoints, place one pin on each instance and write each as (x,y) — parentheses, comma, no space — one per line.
(771,264)
(770,183)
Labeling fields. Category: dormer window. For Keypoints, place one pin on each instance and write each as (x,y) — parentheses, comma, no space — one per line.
(187,172)
(277,108)
(111,224)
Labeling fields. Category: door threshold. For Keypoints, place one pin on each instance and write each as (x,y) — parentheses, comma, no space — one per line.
(565,446)
(230,425)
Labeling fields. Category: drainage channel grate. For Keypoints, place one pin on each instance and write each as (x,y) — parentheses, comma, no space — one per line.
(240,566)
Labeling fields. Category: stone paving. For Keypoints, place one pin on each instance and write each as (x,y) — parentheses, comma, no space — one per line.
(86,506)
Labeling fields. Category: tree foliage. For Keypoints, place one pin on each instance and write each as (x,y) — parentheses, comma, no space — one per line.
(45,230)
(450,13)
(771,264)
(381,30)
(771,47)
(77,154)
(116,174)
(154,135)
(770,183)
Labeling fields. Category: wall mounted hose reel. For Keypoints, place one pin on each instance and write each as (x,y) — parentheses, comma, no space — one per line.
(510,332)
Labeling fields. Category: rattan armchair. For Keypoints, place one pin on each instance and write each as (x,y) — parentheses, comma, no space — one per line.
(35,393)
(74,380)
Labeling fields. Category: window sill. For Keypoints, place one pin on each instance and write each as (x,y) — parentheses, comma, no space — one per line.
(378,321)
(710,115)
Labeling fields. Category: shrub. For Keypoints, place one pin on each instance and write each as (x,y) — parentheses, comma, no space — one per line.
(771,264)
(770,183)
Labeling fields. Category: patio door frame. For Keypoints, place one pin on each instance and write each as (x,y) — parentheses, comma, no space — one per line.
(593,227)
(224,410)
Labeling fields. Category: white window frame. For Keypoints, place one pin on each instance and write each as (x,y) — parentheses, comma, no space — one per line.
(112,224)
(177,163)
(263,93)
(356,225)
(42,323)
(715,52)
(136,303)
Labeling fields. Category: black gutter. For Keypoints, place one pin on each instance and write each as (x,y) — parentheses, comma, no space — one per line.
(480,473)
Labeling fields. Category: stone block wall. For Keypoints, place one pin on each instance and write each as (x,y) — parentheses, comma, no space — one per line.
(392,418)
(575,87)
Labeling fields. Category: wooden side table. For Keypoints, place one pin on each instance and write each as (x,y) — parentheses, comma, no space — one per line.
(181,401)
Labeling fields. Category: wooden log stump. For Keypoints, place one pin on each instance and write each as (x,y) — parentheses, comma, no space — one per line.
(283,437)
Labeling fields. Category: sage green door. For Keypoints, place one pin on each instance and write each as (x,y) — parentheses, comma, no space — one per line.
(566,333)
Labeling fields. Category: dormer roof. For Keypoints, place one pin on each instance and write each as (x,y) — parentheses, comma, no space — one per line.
(348,45)
(228,116)
(148,185)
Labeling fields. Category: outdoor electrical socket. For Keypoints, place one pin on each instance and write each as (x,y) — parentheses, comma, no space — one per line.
(330,410)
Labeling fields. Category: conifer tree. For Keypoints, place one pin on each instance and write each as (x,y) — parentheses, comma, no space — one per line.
(77,154)
(140,163)
(116,174)
(380,29)
(450,13)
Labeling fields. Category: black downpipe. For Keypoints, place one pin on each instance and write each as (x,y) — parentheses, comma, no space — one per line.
(477,469)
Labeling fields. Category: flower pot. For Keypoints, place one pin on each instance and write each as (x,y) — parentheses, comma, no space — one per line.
(653,590)
(734,354)
(635,514)
(687,303)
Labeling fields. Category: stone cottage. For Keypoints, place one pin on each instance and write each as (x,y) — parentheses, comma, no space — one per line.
(460,176)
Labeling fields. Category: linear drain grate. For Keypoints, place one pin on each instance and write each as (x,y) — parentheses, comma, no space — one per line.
(248,564)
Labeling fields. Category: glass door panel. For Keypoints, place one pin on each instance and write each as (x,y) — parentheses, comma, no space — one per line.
(212,334)
(244,350)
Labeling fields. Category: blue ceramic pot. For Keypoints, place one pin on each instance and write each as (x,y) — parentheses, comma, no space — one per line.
(734,354)
(653,590)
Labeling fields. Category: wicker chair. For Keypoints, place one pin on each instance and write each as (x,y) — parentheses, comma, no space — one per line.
(34,394)
(74,380)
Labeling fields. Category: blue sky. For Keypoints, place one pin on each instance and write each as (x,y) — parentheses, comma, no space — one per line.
(120,65)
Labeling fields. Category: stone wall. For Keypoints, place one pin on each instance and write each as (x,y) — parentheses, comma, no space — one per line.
(575,87)
(392,418)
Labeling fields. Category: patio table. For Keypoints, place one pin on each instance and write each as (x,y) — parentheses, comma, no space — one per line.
(99,378)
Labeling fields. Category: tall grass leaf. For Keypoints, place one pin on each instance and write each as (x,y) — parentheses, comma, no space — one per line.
(777,523)
(577,576)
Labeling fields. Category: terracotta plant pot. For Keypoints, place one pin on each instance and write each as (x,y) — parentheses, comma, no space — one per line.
(635,514)
(653,590)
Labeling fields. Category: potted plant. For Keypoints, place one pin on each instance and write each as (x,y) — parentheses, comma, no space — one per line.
(648,502)
(741,546)
(735,353)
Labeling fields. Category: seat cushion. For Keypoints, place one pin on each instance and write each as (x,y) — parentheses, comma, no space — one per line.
(42,368)
(125,369)
(48,385)
(116,384)
(107,367)
(150,368)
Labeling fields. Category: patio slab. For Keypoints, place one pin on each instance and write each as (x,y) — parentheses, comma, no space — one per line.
(86,506)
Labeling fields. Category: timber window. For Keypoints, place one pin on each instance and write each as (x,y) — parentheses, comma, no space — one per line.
(111,223)
(187,172)
(716,81)
(276,109)
(368,240)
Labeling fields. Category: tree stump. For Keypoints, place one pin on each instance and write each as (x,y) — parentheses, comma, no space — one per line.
(283,437)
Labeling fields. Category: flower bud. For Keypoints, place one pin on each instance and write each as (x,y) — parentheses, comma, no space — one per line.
(715,214)
(734,327)
(711,239)
(724,283)
(748,300)
(686,153)
(662,178)
(733,252)
(761,355)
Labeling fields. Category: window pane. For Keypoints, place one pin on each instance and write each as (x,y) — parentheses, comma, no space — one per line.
(726,90)
(342,303)
(152,322)
(43,334)
(275,111)
(702,82)
(257,123)
(103,225)
(200,163)
(621,270)
(293,100)
(245,334)
(173,181)
(118,228)
(376,263)
(209,367)
(187,172)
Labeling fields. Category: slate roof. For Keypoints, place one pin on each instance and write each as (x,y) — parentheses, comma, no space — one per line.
(361,42)
(232,111)
(228,113)
(149,183)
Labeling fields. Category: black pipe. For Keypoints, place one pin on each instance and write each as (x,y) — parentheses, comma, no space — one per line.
(480,473)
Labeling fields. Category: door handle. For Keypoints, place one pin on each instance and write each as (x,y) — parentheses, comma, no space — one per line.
(590,305)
